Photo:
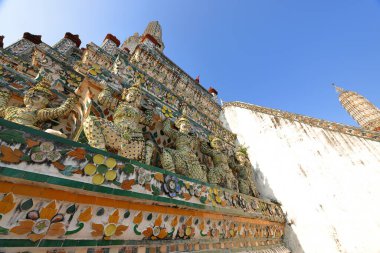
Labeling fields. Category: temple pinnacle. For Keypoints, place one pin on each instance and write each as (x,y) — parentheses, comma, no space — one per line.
(337,88)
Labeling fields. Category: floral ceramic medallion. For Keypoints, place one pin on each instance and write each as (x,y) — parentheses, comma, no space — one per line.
(101,169)
(45,151)
(171,186)
(38,224)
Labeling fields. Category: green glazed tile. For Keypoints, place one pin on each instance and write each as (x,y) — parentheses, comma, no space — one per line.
(17,243)
(12,172)
(103,243)
(35,177)
(70,243)
(51,243)
(65,182)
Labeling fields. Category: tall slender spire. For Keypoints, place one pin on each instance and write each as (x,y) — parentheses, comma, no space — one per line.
(364,112)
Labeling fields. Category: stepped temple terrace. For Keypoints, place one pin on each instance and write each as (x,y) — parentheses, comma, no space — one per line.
(115,149)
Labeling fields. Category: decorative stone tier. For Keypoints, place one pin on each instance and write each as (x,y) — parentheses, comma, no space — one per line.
(160,67)
(60,193)
(98,64)
(309,120)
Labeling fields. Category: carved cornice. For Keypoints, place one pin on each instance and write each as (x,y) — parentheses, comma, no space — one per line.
(328,125)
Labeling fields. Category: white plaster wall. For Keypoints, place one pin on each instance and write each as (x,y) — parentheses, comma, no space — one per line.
(328,182)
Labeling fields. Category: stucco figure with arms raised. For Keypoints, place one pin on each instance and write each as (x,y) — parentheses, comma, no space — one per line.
(221,174)
(36,100)
(124,133)
(182,159)
(244,172)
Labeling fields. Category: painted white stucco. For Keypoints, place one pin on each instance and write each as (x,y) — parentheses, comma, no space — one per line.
(328,182)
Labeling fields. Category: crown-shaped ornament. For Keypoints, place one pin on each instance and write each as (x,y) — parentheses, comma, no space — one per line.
(139,80)
(242,150)
(43,85)
(182,119)
(214,140)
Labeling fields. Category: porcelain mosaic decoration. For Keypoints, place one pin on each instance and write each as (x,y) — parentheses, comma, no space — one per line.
(117,148)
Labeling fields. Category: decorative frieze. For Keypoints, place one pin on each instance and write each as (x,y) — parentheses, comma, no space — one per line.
(65,160)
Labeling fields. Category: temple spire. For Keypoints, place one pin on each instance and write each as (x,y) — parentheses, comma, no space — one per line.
(337,88)
(364,112)
(153,33)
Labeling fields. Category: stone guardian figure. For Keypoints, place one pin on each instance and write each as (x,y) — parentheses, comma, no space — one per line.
(244,173)
(221,174)
(36,100)
(124,133)
(182,159)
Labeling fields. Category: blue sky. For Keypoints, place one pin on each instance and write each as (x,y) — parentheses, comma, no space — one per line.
(282,54)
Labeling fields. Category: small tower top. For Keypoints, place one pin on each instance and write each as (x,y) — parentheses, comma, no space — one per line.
(130,44)
(154,29)
(337,88)
(153,32)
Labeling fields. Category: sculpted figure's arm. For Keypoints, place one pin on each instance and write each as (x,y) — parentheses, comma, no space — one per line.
(106,99)
(231,163)
(5,95)
(147,118)
(53,113)
(168,130)
(205,149)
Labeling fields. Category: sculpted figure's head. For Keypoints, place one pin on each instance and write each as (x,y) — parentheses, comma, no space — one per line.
(216,143)
(38,97)
(241,155)
(183,124)
(133,94)
(120,67)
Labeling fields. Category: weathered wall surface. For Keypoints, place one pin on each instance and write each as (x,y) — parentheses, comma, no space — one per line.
(328,182)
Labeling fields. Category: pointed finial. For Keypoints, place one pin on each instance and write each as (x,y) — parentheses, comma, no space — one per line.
(1,41)
(337,89)
(43,85)
(182,118)
(212,91)
(197,79)
(242,150)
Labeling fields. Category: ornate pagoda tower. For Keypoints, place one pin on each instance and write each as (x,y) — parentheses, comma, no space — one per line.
(121,190)
(363,111)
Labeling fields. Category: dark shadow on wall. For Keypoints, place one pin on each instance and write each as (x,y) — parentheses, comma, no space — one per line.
(290,237)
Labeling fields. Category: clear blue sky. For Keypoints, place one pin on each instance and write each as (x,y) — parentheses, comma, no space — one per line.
(282,54)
